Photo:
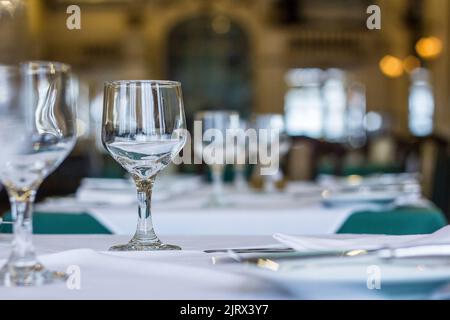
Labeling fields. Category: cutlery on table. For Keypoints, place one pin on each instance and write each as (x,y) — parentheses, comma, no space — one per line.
(384,253)
(250,250)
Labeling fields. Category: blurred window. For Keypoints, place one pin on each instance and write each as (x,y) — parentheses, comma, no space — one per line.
(335,102)
(303,107)
(421,104)
(209,54)
(4,90)
(315,104)
(356,131)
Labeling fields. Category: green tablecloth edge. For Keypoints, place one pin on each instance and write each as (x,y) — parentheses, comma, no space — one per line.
(399,221)
(62,223)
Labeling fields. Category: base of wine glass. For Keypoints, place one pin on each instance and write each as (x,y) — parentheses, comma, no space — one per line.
(35,275)
(144,246)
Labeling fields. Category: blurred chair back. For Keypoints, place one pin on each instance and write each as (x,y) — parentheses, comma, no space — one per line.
(435,169)
(434,166)
(307,155)
(382,151)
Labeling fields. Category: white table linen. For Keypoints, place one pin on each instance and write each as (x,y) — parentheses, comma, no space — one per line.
(298,210)
(352,242)
(187,274)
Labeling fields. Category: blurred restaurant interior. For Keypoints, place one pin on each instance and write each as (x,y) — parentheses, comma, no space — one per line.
(353,92)
(355,101)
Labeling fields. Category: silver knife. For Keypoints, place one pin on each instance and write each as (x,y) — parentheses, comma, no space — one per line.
(385,253)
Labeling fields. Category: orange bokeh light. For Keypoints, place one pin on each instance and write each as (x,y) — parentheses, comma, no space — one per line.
(429,47)
(391,66)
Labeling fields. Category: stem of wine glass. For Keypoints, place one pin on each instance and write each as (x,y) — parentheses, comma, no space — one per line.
(22,254)
(23,267)
(240,180)
(145,238)
(217,179)
(144,231)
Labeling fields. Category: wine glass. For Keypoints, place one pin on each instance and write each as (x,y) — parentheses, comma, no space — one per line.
(275,123)
(215,149)
(240,180)
(41,106)
(144,129)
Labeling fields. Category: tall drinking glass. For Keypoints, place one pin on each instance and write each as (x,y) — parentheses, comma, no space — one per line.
(40,107)
(215,125)
(144,128)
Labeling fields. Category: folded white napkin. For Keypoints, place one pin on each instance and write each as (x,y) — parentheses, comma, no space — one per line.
(351,242)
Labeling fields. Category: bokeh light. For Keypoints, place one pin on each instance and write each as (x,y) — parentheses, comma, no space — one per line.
(391,66)
(373,121)
(411,63)
(429,47)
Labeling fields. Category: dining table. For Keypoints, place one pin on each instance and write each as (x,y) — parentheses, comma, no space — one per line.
(73,235)
(180,207)
(185,274)
(191,273)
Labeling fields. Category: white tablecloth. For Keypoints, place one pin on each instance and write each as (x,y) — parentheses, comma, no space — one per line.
(296,211)
(187,274)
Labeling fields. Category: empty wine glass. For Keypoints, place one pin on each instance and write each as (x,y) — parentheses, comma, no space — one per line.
(276,125)
(40,105)
(240,180)
(215,125)
(144,128)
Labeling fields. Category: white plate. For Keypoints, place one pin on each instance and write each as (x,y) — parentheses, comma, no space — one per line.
(365,279)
